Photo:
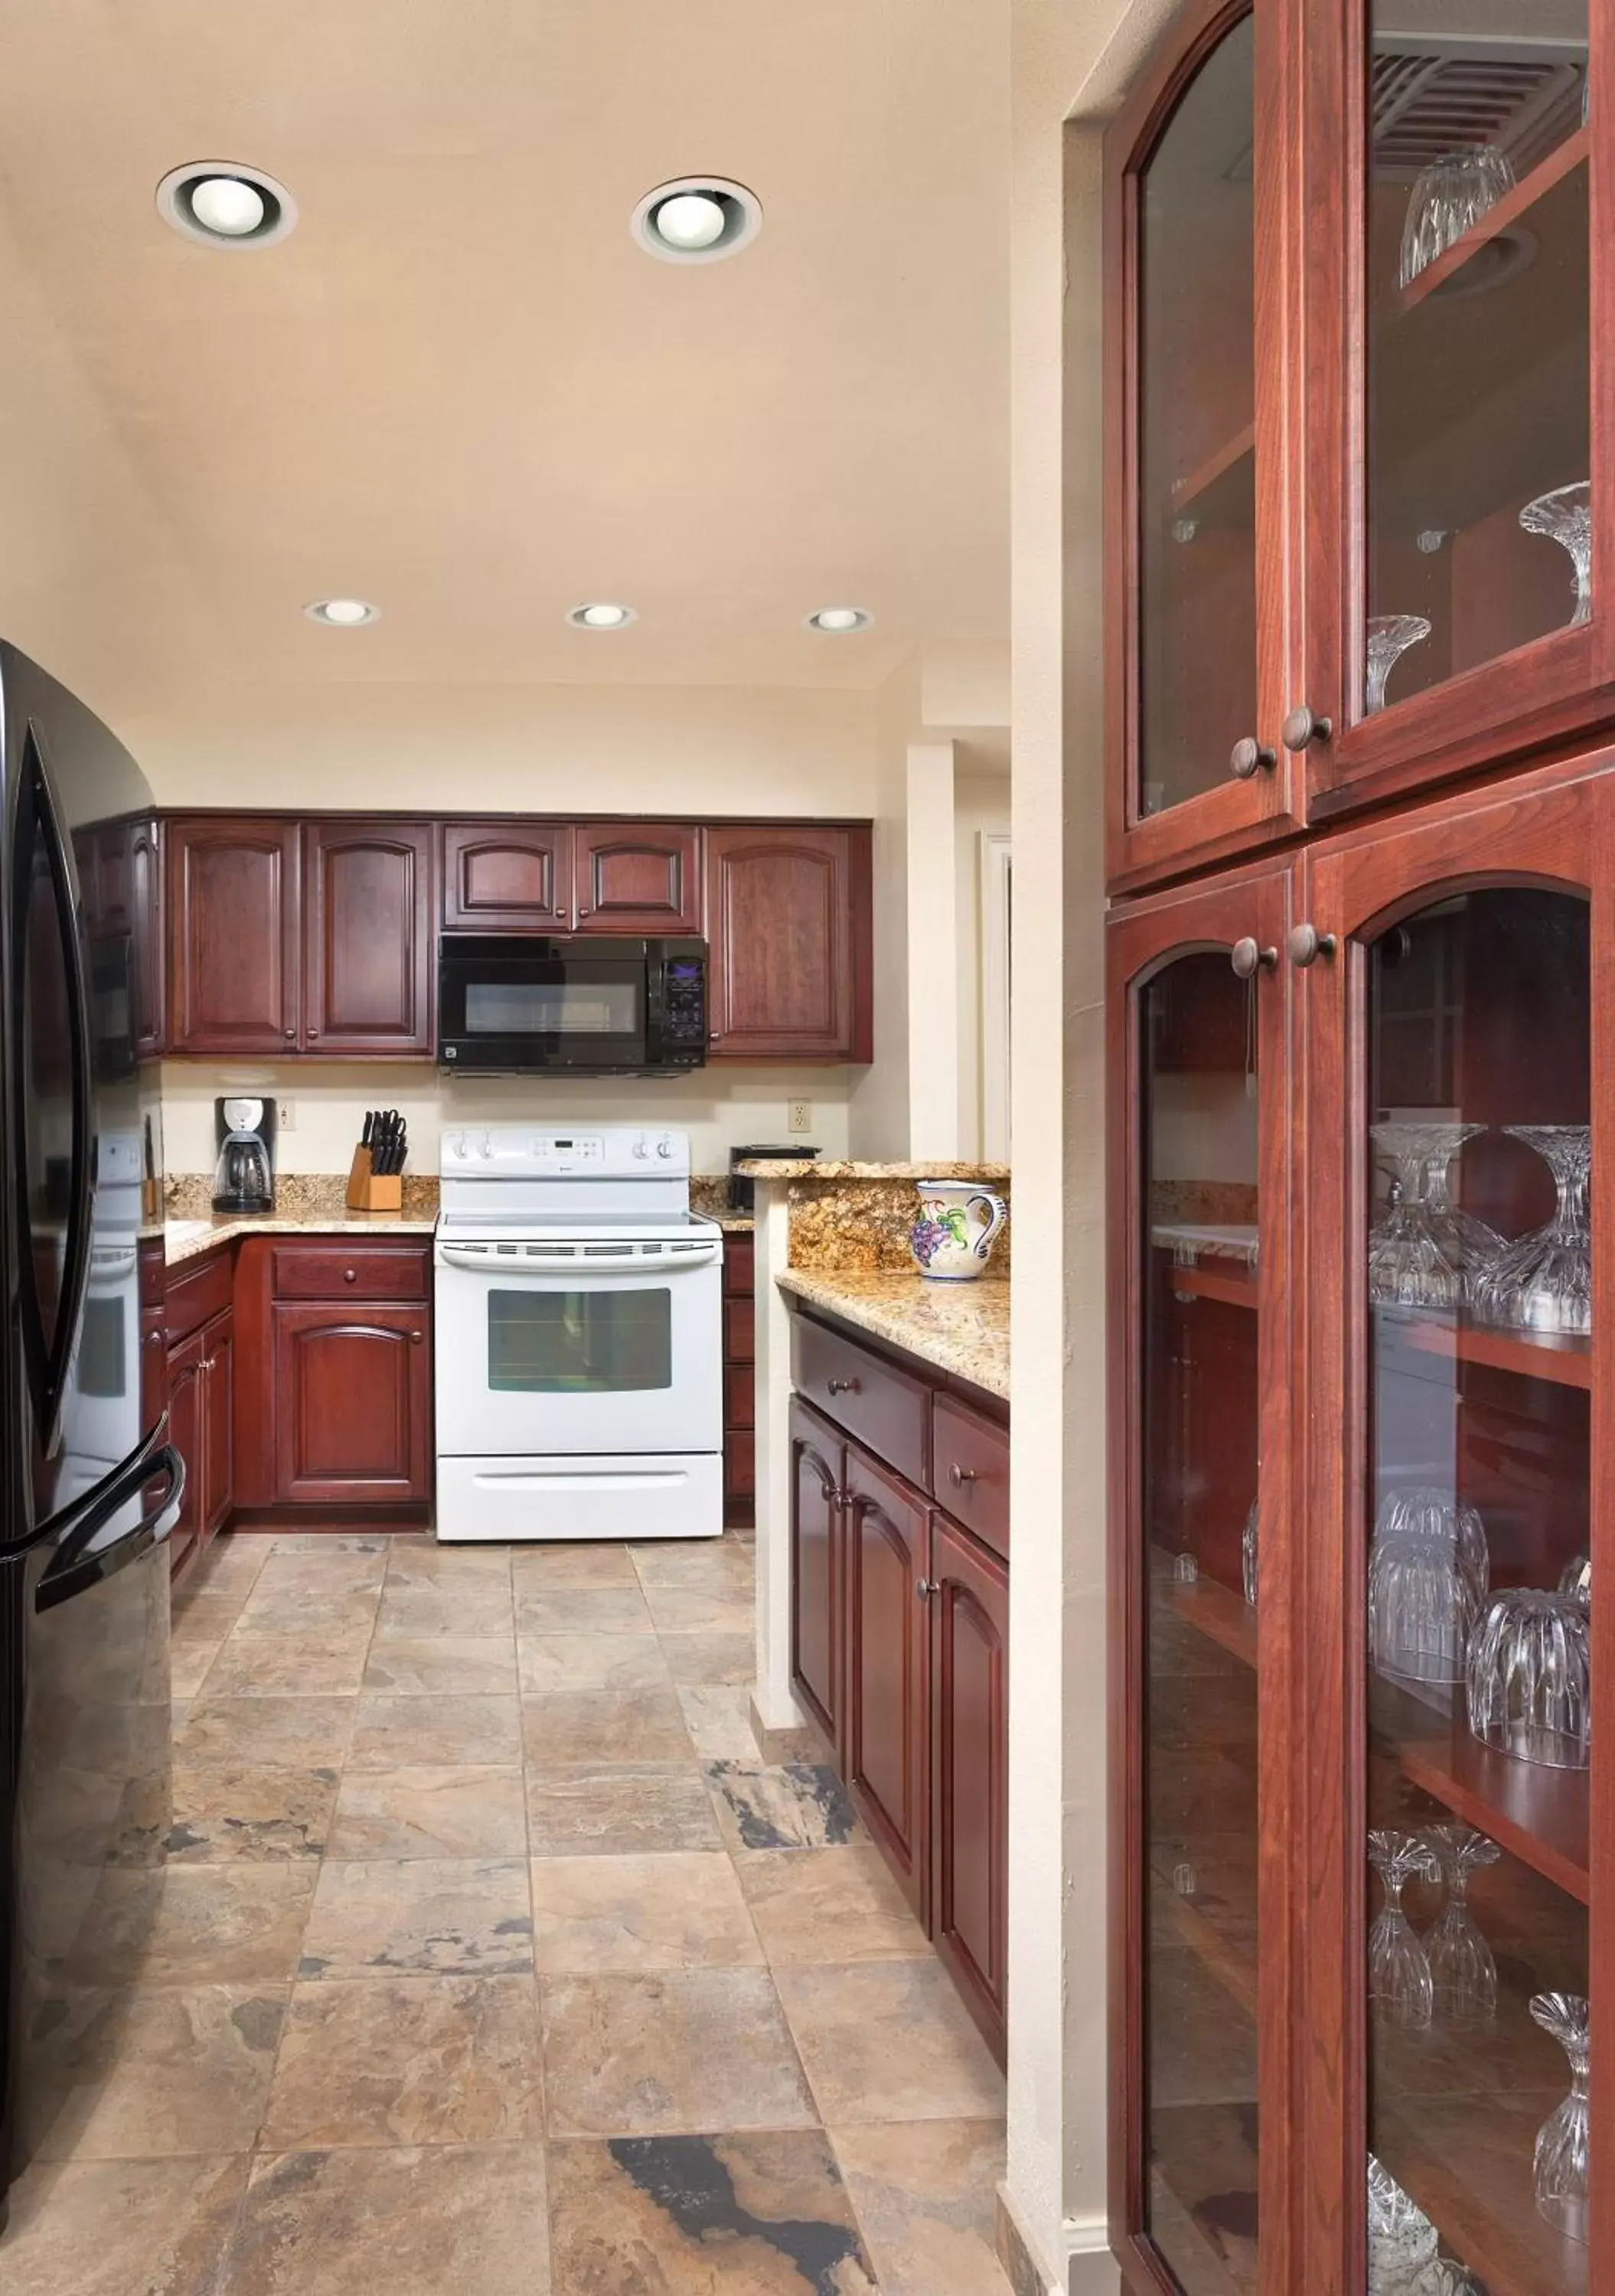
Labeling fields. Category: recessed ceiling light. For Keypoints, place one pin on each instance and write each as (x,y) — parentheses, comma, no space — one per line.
(697,219)
(837,621)
(342,613)
(605,614)
(225,205)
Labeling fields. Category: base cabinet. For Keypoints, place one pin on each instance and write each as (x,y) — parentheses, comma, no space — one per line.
(352,1404)
(969,1740)
(888,1582)
(817,1461)
(740,1383)
(202,1403)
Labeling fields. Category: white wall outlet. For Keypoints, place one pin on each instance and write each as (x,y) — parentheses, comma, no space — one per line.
(286,1116)
(800,1116)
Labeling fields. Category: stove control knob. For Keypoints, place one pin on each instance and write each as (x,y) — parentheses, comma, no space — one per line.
(664,1147)
(485,1147)
(641,1147)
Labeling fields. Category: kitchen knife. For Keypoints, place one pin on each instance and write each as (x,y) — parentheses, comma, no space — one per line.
(370,1124)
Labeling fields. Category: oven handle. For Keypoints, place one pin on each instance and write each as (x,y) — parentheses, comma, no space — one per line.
(483,1259)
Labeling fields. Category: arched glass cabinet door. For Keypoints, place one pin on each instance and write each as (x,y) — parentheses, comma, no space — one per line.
(1461,1024)
(1193,220)
(1201,1566)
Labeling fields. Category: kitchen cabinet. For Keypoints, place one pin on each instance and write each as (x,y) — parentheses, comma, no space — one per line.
(740,1379)
(352,1404)
(637,877)
(507,876)
(900,1629)
(788,920)
(187,1418)
(235,974)
(200,1376)
(1351,503)
(368,965)
(146,917)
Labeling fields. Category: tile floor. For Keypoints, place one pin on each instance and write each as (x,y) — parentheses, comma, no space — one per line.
(488,1958)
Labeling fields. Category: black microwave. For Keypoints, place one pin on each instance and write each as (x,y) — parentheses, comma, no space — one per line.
(526,1003)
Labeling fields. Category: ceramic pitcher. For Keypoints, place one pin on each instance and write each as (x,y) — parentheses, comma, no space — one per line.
(952,1237)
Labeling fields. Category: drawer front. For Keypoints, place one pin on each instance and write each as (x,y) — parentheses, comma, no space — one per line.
(740,1463)
(740,1395)
(740,1331)
(887,1410)
(333,1270)
(971,1463)
(739,1257)
(198,1292)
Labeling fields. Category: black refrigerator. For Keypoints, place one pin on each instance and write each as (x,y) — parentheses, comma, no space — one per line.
(89,1485)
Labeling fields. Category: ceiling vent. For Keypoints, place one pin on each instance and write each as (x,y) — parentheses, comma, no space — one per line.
(1427,102)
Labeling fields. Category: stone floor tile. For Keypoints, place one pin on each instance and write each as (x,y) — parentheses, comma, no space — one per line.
(604,1725)
(245,1731)
(341,1613)
(577,1564)
(225,1812)
(411,2060)
(448,1811)
(284,1666)
(168,2069)
(764,2214)
(206,1617)
(446,2221)
(684,2051)
(121,2228)
(585,1661)
(433,1665)
(326,1546)
(226,1925)
(709,1563)
(799,1805)
(673,1910)
(190,1664)
(390,1733)
(581,1611)
(618,1809)
(325,1567)
(466,1916)
(718,1718)
(712,1658)
(844,2019)
(829,1905)
(925,2194)
(701,1610)
(413,1610)
(448,1566)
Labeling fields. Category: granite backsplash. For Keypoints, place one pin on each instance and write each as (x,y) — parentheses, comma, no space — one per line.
(862,1225)
(297,1195)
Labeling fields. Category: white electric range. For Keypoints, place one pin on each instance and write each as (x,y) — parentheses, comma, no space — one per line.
(579,1337)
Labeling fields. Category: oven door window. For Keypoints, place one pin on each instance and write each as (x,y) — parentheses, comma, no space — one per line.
(585,1342)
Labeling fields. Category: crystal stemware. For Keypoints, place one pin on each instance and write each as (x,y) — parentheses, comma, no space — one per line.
(1428,1570)
(1561,2142)
(1576,1577)
(1389,636)
(1399,1981)
(1565,516)
(1529,1678)
(1448,198)
(1544,1282)
(1247,1553)
(1407,1267)
(1460,1236)
(1402,2241)
(1461,1969)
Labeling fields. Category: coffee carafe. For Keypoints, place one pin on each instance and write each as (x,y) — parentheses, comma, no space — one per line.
(243,1178)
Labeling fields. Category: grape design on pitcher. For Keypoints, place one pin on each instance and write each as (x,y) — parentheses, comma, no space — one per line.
(931,1230)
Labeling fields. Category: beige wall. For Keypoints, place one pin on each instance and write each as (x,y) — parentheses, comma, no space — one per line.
(981,805)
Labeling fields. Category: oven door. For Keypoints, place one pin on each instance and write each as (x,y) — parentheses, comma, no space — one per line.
(516,1003)
(603,1349)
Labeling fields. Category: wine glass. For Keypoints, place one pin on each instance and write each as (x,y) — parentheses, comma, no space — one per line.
(1399,1968)
(1407,1267)
(1389,636)
(1461,1971)
(1448,198)
(1247,1553)
(1428,1574)
(1561,2166)
(1529,1678)
(1460,1236)
(1576,1577)
(1565,516)
(1544,1282)
(1402,2241)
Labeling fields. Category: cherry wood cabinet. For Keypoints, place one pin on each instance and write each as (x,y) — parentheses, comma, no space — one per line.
(200,1387)
(740,1379)
(507,876)
(352,1404)
(186,1421)
(816,1613)
(968,1604)
(886,1534)
(368,965)
(637,877)
(788,920)
(146,928)
(234,901)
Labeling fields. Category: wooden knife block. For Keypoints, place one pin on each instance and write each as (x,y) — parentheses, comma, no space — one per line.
(373,1191)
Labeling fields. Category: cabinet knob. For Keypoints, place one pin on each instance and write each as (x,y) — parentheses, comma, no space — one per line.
(1250,757)
(417,1337)
(1248,958)
(926,1587)
(843,1387)
(1301,726)
(289,1035)
(350,1276)
(959,1476)
(312,1033)
(1307,944)
(586,912)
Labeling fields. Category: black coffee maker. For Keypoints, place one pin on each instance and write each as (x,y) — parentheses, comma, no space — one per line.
(243,1178)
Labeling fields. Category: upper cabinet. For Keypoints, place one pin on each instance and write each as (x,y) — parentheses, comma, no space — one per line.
(234,931)
(637,877)
(507,876)
(1357,504)
(147,932)
(368,964)
(788,916)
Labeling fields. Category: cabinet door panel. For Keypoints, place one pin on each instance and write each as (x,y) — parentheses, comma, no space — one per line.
(352,1404)
(234,911)
(816,1596)
(219,1407)
(367,894)
(885,1708)
(186,1433)
(969,1757)
(507,876)
(788,920)
(147,932)
(638,877)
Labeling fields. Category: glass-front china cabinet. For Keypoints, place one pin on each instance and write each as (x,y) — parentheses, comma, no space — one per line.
(1361,735)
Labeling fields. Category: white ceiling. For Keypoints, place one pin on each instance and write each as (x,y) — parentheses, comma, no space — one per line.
(458,388)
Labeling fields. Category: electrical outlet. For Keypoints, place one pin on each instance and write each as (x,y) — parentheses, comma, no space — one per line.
(286,1116)
(800,1118)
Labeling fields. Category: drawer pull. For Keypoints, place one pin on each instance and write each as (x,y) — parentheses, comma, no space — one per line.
(350,1276)
(844,1387)
(959,1476)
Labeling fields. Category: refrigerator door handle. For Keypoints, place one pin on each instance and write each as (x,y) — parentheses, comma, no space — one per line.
(78,1565)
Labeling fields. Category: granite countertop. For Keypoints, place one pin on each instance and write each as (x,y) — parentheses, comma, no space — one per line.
(188,1238)
(961,1328)
(806,1168)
